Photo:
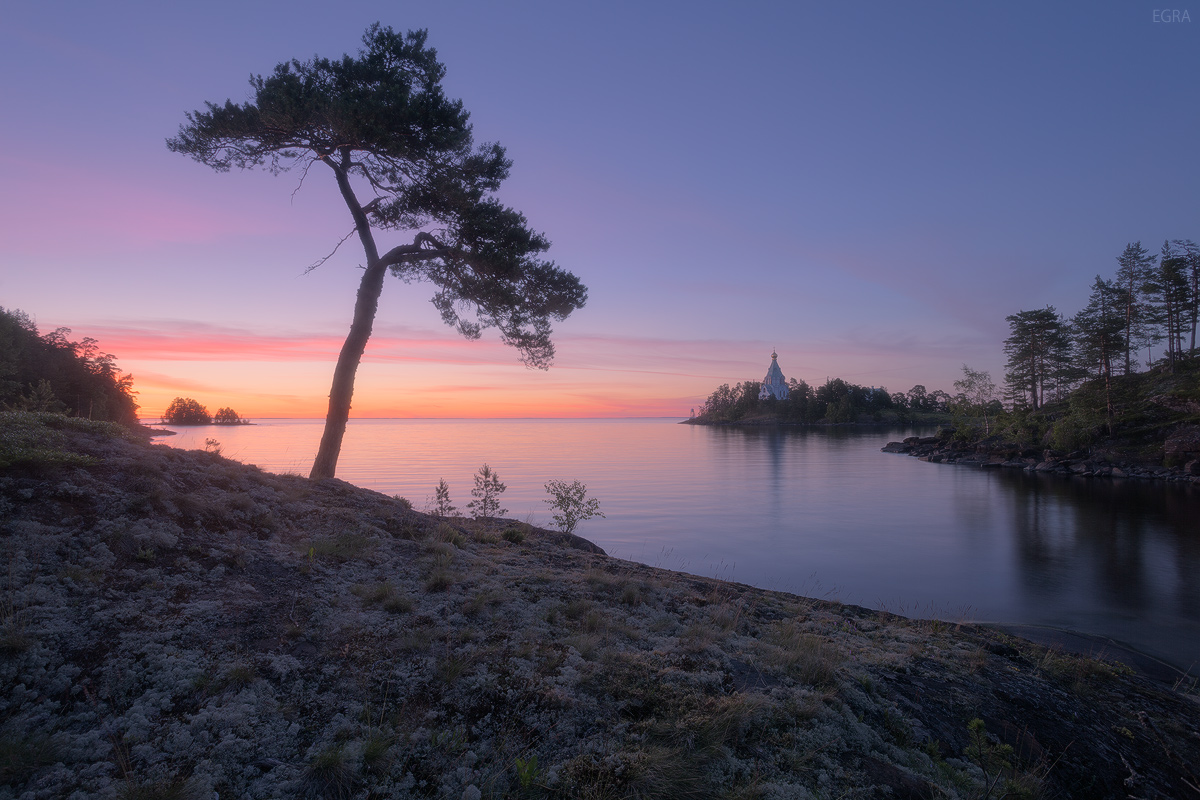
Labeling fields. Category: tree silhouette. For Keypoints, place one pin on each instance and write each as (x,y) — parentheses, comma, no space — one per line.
(381,123)
(1038,350)
(1096,330)
(186,411)
(227,416)
(1134,270)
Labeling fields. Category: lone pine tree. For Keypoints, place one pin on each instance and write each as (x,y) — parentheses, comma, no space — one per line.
(382,125)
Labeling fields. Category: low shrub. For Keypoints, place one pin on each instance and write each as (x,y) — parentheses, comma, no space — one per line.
(571,502)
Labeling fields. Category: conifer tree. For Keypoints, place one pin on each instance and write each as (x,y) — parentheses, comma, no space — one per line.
(382,125)
(1134,270)
(442,505)
(487,491)
(1038,351)
(1190,251)
(1096,334)
(1167,293)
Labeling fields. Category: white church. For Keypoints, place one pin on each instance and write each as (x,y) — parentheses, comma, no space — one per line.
(773,385)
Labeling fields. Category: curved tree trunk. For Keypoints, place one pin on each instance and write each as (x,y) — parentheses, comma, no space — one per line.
(342,390)
(365,306)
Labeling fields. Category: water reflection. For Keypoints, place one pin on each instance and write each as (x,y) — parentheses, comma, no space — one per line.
(1112,557)
(816,511)
(1118,556)
(1133,541)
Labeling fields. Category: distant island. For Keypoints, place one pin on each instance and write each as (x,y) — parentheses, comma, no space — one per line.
(776,400)
(186,411)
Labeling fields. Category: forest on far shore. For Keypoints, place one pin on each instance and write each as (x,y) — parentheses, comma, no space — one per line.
(836,401)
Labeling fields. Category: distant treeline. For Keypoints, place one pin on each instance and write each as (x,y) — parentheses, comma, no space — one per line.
(836,401)
(52,373)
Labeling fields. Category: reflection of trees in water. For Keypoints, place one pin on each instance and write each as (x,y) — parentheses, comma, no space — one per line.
(776,458)
(1091,552)
(1074,533)
(1182,520)
(741,454)
(1043,555)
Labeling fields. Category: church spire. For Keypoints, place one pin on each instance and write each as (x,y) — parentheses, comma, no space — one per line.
(773,385)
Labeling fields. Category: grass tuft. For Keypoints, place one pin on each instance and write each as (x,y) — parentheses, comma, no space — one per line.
(240,677)
(439,581)
(376,754)
(451,535)
(808,658)
(330,775)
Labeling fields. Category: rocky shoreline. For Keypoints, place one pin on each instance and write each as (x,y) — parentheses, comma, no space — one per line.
(178,625)
(943,448)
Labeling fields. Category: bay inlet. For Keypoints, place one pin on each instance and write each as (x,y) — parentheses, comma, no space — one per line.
(814,511)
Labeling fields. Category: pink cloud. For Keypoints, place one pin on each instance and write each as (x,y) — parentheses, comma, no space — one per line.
(148,380)
(594,375)
(193,341)
(865,352)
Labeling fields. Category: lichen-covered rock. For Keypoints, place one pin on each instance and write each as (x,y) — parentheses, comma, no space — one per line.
(177,624)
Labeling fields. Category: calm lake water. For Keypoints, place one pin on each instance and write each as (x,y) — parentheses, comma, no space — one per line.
(817,512)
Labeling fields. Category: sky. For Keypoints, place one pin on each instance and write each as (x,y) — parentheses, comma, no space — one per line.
(869,189)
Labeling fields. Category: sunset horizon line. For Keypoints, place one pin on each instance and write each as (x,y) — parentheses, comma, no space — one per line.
(250,420)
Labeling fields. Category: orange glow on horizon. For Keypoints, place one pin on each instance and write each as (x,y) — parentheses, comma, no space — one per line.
(413,373)
(289,390)
(407,374)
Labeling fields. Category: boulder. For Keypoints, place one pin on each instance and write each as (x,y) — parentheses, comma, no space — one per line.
(1183,444)
(1180,405)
